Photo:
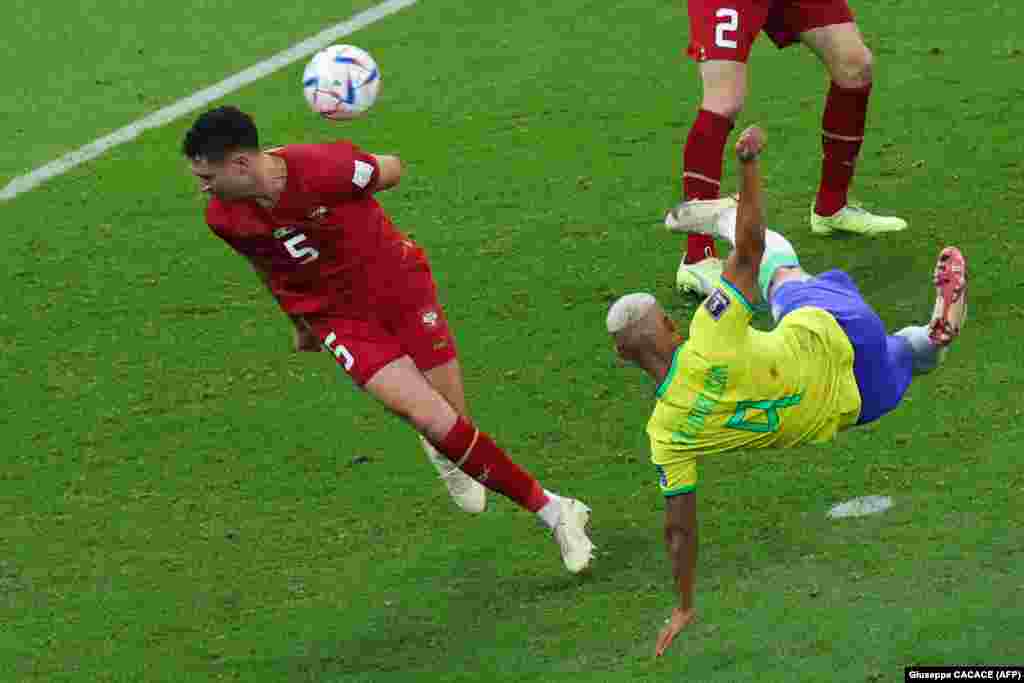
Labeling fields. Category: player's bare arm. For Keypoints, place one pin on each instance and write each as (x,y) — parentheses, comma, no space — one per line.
(390,171)
(742,267)
(681,541)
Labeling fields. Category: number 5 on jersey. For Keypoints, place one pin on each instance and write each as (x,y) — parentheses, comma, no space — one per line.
(339,351)
(304,254)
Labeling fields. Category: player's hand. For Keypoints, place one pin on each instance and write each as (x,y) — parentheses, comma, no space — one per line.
(679,620)
(305,340)
(750,144)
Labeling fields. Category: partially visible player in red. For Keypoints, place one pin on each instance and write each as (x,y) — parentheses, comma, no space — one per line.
(721,35)
(305,217)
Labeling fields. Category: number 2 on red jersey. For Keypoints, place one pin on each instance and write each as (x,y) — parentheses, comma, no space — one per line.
(728,24)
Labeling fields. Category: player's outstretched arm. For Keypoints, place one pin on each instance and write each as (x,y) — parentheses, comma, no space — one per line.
(742,267)
(390,171)
(681,539)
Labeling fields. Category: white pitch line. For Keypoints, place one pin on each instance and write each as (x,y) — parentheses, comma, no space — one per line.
(860,507)
(158,118)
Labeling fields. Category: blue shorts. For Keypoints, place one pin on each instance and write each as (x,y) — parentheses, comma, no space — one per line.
(882,364)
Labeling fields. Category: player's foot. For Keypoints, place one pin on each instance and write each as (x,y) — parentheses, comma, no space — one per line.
(467,492)
(571,534)
(697,215)
(950,311)
(699,278)
(856,220)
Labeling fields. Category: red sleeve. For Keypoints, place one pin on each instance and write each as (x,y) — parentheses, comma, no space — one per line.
(339,170)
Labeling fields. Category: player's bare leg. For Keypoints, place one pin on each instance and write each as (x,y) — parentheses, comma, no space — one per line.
(841,48)
(447,379)
(467,492)
(401,387)
(724,91)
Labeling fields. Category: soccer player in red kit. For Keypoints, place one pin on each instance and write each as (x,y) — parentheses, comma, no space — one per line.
(722,33)
(305,217)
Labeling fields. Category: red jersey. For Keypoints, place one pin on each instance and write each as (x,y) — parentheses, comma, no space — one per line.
(325,239)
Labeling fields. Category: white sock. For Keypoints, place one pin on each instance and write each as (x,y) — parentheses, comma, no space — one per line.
(927,356)
(551,513)
(778,251)
(725,228)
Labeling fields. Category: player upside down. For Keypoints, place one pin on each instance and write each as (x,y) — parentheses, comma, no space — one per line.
(828,365)
(305,217)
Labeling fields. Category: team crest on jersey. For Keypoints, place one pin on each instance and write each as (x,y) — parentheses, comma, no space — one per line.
(430,318)
(717,304)
(363,174)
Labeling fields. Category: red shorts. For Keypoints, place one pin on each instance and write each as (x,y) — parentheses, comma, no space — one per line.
(405,319)
(726,29)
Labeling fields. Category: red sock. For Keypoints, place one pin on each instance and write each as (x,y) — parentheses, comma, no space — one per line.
(842,134)
(702,171)
(490,466)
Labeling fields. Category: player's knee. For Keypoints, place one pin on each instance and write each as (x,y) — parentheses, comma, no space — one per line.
(677,536)
(854,68)
(724,103)
(420,417)
(724,87)
(430,420)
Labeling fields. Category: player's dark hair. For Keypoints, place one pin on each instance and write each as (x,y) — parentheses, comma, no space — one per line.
(218,132)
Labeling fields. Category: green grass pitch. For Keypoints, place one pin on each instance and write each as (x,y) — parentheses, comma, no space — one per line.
(183,499)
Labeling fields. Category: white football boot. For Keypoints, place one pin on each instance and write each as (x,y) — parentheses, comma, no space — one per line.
(467,492)
(571,535)
(699,216)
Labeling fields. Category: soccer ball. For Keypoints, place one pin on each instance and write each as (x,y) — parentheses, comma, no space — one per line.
(341,82)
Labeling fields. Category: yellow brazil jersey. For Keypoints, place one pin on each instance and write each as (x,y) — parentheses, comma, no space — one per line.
(732,387)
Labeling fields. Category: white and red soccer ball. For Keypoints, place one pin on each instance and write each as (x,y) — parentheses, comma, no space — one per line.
(341,82)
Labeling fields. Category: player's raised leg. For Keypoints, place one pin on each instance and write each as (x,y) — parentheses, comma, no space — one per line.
(401,387)
(467,492)
(848,60)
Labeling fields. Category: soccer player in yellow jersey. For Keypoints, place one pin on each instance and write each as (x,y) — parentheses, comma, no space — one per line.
(828,365)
